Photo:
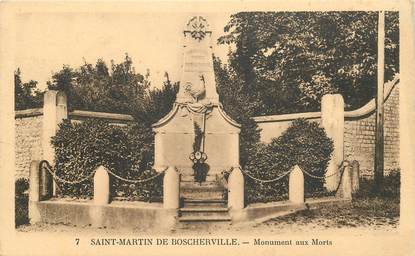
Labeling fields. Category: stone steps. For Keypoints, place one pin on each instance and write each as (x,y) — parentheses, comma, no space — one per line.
(200,186)
(204,209)
(191,178)
(205,190)
(203,203)
(205,219)
(200,203)
(204,212)
(192,184)
(202,192)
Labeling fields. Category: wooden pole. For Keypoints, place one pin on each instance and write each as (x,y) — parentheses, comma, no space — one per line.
(379,137)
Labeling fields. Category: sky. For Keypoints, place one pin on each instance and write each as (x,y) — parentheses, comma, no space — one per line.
(47,41)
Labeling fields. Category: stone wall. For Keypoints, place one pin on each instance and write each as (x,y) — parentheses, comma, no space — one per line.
(112,118)
(273,126)
(359,130)
(28,128)
(359,136)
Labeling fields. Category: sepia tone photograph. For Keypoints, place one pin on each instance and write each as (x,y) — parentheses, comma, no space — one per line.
(224,128)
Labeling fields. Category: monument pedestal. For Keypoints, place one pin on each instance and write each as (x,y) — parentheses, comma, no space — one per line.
(197,125)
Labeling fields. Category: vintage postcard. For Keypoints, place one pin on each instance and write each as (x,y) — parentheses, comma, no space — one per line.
(208,128)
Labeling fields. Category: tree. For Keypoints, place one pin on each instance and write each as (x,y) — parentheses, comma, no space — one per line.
(26,95)
(240,105)
(289,60)
(99,88)
(157,102)
(118,89)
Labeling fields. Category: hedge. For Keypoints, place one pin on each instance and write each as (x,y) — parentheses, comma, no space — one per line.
(127,151)
(305,144)
(21,201)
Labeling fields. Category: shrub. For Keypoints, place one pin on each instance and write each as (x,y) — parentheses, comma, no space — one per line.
(391,186)
(21,186)
(21,201)
(127,151)
(303,143)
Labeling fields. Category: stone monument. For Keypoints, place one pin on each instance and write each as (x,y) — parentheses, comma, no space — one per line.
(197,137)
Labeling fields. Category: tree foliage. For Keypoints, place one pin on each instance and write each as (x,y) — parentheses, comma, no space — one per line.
(101,88)
(115,89)
(26,95)
(156,102)
(238,102)
(289,60)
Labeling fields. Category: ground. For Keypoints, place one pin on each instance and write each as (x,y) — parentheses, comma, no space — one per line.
(362,214)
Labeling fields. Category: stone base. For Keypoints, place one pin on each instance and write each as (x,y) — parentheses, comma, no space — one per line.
(115,215)
(146,216)
(261,212)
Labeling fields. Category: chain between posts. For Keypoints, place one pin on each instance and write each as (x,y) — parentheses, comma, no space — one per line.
(267,181)
(137,181)
(46,165)
(340,169)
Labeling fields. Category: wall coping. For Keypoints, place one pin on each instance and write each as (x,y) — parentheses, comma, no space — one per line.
(31,112)
(368,108)
(287,117)
(100,115)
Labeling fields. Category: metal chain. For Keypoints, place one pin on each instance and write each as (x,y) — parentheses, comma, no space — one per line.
(341,167)
(324,177)
(266,181)
(137,181)
(57,178)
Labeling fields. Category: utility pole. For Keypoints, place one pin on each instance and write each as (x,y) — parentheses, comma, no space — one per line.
(379,136)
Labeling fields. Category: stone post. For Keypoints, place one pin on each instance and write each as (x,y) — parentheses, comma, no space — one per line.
(101,186)
(236,146)
(296,186)
(236,190)
(332,120)
(345,188)
(54,111)
(46,184)
(34,195)
(171,189)
(355,176)
(34,179)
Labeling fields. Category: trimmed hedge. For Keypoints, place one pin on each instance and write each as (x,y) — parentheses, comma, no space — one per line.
(127,151)
(303,143)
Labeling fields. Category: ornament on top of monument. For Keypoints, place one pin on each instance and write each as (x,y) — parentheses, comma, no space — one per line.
(197,82)
(198,27)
